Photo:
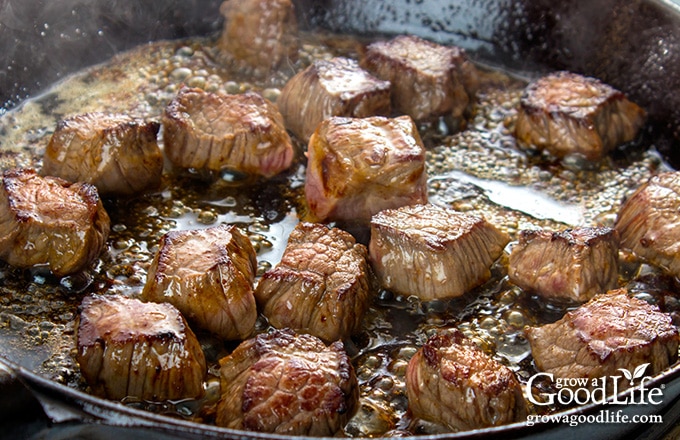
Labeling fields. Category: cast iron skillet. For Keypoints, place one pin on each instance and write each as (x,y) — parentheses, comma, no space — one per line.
(633,45)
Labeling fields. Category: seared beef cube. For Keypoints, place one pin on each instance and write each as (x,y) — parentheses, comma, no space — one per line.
(357,167)
(208,275)
(321,286)
(452,382)
(609,332)
(649,222)
(128,348)
(114,152)
(335,87)
(569,114)
(259,34)
(288,384)
(433,252)
(574,264)
(427,79)
(49,221)
(217,131)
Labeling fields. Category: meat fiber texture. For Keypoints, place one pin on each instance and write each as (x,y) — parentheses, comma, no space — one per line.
(428,79)
(208,275)
(258,35)
(649,222)
(322,285)
(568,114)
(609,332)
(49,221)
(570,265)
(335,87)
(433,252)
(356,167)
(128,348)
(287,383)
(114,152)
(218,131)
(451,381)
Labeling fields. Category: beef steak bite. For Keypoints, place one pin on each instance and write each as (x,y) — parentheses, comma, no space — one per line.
(609,332)
(649,222)
(114,152)
(568,114)
(452,382)
(49,221)
(573,264)
(427,79)
(289,384)
(322,285)
(335,87)
(357,167)
(208,275)
(432,252)
(258,34)
(128,348)
(218,131)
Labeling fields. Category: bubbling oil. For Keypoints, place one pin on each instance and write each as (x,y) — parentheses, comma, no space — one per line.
(478,170)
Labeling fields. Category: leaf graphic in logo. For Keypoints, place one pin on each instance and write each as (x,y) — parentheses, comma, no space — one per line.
(640,371)
(637,373)
(627,374)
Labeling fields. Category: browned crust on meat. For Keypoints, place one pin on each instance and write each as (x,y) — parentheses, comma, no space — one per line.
(566,113)
(218,131)
(47,220)
(441,253)
(335,87)
(427,79)
(609,332)
(287,383)
(208,275)
(649,222)
(322,285)
(127,348)
(453,382)
(114,152)
(359,166)
(573,264)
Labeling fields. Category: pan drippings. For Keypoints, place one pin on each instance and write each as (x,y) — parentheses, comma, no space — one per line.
(478,170)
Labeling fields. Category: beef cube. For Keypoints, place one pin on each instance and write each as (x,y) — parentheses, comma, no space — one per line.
(208,275)
(288,384)
(452,382)
(609,332)
(128,348)
(428,79)
(649,222)
(357,167)
(335,87)
(114,152)
(433,252)
(218,131)
(258,34)
(49,221)
(573,265)
(568,114)
(322,285)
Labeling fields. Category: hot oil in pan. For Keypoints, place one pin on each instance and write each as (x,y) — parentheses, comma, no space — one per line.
(477,170)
